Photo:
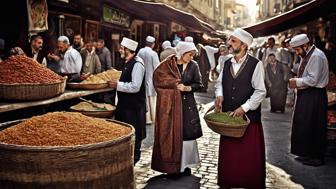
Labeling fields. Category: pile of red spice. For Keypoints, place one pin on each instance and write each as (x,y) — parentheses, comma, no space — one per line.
(22,69)
(62,129)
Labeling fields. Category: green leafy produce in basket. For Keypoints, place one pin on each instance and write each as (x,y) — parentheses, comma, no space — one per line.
(224,117)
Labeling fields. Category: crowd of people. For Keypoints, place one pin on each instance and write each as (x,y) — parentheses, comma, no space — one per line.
(159,88)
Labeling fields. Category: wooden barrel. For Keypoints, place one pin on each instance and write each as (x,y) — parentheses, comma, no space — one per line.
(102,165)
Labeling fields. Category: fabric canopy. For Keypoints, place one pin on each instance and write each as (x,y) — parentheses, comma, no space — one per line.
(162,13)
(296,17)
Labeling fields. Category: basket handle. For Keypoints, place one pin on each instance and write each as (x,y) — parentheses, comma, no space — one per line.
(210,109)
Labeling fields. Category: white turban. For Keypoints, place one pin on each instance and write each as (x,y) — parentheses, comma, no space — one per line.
(184,47)
(299,40)
(189,39)
(166,44)
(150,39)
(63,39)
(243,36)
(129,43)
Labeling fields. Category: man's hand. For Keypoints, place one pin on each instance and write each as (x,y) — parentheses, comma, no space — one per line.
(182,87)
(239,112)
(292,83)
(53,57)
(113,83)
(84,76)
(218,103)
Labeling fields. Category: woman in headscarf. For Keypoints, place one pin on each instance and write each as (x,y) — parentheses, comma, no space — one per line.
(177,125)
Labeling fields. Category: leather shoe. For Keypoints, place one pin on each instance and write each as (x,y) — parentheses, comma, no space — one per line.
(187,171)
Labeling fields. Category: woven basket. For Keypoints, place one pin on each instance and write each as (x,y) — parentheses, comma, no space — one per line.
(29,91)
(236,131)
(87,86)
(105,165)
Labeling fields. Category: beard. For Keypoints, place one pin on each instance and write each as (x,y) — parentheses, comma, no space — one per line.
(122,55)
(234,51)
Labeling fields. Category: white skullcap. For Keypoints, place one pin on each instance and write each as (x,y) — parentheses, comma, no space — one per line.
(184,47)
(299,40)
(175,42)
(129,43)
(150,39)
(63,39)
(189,39)
(243,36)
(166,44)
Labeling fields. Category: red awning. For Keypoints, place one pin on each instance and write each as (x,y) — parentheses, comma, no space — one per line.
(160,12)
(296,17)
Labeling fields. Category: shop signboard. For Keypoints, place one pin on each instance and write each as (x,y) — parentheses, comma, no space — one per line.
(114,16)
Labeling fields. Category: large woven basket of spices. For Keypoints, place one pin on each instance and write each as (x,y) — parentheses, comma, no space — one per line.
(224,124)
(23,79)
(66,150)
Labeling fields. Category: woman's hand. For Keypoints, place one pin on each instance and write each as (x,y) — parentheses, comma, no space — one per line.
(183,88)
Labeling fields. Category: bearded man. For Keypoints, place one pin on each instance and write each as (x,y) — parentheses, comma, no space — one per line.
(240,89)
(131,91)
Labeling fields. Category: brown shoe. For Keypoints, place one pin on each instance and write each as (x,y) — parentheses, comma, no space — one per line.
(313,162)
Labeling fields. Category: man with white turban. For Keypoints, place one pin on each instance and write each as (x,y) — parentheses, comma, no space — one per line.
(177,124)
(308,140)
(240,89)
(151,61)
(167,50)
(131,107)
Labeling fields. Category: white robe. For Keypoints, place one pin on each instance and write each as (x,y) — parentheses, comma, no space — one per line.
(190,156)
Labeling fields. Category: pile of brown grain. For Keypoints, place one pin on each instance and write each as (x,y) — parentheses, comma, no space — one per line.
(62,129)
(22,69)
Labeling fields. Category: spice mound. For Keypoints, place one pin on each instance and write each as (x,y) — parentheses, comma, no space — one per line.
(22,69)
(84,106)
(223,117)
(103,77)
(62,129)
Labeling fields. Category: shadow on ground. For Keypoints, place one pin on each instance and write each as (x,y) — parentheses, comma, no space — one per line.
(182,182)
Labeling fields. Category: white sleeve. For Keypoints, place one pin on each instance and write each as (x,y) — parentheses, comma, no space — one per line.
(138,73)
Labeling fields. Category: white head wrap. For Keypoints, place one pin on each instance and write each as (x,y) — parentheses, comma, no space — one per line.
(184,47)
(189,39)
(299,40)
(166,44)
(150,39)
(129,43)
(243,36)
(63,39)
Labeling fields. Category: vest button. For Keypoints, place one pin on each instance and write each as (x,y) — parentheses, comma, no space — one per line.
(233,98)
(233,88)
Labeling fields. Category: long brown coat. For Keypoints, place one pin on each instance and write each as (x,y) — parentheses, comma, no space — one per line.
(168,136)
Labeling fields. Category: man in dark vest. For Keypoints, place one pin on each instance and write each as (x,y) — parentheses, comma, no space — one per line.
(131,107)
(240,89)
(308,140)
(35,49)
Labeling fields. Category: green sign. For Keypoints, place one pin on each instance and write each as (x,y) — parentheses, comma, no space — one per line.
(114,16)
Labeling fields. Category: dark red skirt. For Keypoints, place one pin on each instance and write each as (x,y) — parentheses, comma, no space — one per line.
(241,162)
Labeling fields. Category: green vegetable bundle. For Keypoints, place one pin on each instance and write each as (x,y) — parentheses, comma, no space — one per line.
(224,117)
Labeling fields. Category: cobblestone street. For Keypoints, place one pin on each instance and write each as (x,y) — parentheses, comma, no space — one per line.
(205,175)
